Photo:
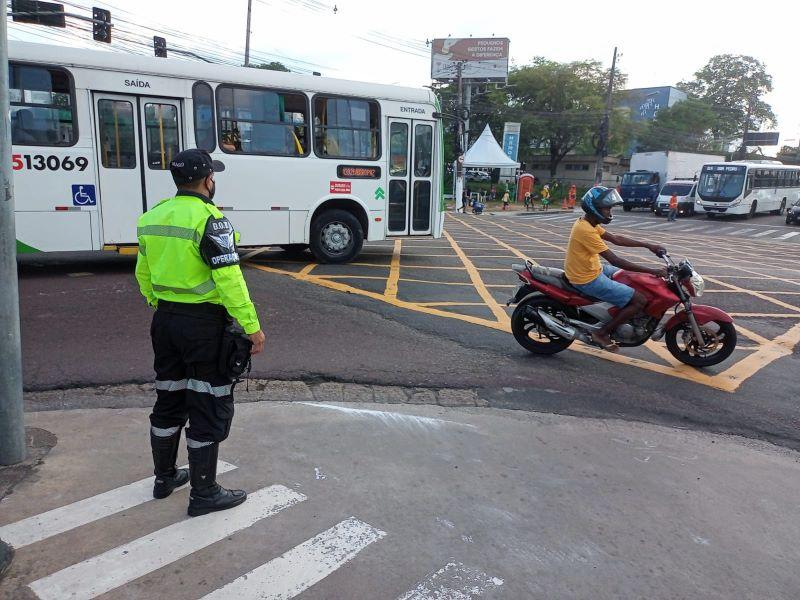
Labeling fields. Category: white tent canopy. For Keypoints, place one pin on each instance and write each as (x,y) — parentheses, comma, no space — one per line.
(486,153)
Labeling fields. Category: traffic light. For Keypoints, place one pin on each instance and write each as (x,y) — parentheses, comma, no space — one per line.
(101,27)
(160,46)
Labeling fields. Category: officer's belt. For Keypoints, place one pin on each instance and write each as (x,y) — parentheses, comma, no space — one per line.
(204,309)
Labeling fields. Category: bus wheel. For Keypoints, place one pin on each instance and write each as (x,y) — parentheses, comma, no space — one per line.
(753,208)
(336,236)
(781,209)
(627,208)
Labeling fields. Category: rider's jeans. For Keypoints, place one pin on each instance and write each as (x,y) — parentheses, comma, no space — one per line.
(604,288)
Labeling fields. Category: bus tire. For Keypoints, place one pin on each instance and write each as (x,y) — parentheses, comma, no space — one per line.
(781,209)
(336,236)
(627,208)
(711,215)
(753,209)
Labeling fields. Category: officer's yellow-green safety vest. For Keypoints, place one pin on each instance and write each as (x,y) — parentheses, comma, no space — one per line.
(170,267)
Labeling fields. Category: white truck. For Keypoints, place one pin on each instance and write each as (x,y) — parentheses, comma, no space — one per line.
(650,170)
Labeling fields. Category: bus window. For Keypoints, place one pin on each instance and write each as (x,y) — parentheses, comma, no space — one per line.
(161,128)
(398,150)
(42,111)
(203,101)
(117,139)
(346,128)
(423,150)
(262,121)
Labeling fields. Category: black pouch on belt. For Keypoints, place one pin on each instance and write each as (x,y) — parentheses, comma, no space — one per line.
(234,356)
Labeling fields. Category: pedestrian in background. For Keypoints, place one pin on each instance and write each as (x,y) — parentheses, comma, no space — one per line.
(673,208)
(545,196)
(527,201)
(188,270)
(505,200)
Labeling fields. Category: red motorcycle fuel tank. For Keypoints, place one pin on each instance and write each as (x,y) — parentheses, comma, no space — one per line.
(659,297)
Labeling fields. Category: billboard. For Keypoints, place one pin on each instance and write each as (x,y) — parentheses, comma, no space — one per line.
(510,145)
(482,59)
(645,103)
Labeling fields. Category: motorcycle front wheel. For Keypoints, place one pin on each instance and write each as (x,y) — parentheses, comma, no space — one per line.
(530,333)
(719,343)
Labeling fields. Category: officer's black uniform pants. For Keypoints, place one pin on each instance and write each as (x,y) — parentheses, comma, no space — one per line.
(186,341)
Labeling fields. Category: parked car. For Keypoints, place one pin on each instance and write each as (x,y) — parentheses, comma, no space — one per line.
(793,213)
(475,175)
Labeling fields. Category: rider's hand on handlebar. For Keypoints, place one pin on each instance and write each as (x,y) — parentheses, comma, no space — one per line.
(659,251)
(659,272)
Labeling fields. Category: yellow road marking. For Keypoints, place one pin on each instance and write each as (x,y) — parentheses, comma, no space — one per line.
(306,270)
(394,270)
(450,304)
(480,287)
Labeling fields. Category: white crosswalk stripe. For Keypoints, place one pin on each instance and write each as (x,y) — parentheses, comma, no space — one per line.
(56,521)
(789,235)
(302,566)
(454,580)
(123,564)
(763,233)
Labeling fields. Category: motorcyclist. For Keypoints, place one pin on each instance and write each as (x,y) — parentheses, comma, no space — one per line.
(587,243)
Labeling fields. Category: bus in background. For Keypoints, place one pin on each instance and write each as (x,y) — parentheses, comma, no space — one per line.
(309,161)
(747,188)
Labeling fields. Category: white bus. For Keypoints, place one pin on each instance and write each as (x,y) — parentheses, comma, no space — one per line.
(309,161)
(747,187)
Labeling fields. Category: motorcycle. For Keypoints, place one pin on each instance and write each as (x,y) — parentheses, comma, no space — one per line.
(551,314)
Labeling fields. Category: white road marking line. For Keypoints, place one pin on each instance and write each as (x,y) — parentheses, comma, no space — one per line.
(304,565)
(42,526)
(694,229)
(747,230)
(123,564)
(391,418)
(454,581)
(786,236)
(763,233)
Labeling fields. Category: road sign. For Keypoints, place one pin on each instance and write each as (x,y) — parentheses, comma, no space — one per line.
(761,138)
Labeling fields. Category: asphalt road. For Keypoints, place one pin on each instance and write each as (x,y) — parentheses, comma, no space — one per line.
(431,313)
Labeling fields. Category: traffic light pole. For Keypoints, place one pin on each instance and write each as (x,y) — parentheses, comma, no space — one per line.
(12,423)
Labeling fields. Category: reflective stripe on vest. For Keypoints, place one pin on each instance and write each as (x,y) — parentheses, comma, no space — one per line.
(219,391)
(198,290)
(183,233)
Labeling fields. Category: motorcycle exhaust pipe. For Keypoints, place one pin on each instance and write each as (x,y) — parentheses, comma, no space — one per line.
(566,332)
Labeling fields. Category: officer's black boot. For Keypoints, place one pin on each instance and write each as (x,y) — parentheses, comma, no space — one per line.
(165,451)
(206,495)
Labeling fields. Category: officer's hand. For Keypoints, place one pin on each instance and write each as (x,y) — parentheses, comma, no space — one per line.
(258,342)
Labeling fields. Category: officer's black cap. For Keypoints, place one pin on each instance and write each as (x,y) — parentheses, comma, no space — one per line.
(193,165)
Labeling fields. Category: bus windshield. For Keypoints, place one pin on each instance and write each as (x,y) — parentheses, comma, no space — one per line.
(721,182)
(637,178)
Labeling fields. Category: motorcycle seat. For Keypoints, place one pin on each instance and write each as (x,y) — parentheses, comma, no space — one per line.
(555,277)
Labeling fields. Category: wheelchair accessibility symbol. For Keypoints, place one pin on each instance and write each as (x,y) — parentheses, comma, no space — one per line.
(83,195)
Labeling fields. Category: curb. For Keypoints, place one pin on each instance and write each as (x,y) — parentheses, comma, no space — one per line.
(6,557)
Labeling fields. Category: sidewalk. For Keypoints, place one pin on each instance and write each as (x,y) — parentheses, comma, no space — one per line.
(370,500)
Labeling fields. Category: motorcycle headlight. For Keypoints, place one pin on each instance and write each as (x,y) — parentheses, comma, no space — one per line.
(698,284)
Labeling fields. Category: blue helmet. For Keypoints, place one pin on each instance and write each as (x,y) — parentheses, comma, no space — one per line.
(600,197)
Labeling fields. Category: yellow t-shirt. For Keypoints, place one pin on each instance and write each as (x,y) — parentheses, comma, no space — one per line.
(582,263)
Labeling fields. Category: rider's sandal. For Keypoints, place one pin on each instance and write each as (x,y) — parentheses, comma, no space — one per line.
(612,347)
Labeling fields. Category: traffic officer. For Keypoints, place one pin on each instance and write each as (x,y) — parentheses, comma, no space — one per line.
(188,270)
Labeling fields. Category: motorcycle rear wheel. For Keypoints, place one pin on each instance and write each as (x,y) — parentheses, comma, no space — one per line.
(680,340)
(532,335)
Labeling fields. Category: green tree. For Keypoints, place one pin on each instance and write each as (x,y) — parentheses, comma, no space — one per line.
(560,107)
(272,66)
(686,126)
(731,84)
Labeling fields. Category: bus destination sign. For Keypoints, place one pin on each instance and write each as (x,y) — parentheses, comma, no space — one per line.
(358,172)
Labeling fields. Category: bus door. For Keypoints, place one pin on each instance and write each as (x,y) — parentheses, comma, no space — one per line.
(135,139)
(410,199)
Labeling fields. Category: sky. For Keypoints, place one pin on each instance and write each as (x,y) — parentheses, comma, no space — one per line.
(381,42)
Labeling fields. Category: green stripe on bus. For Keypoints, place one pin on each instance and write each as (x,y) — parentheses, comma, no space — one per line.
(174,231)
(23,248)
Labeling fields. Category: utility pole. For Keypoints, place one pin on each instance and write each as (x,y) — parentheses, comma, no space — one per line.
(746,129)
(458,167)
(467,109)
(604,125)
(12,423)
(247,36)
